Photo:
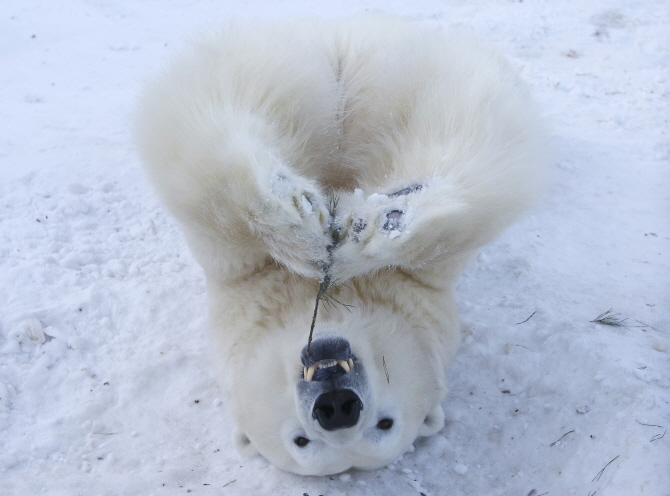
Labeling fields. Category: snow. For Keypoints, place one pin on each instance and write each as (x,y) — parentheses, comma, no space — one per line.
(105,383)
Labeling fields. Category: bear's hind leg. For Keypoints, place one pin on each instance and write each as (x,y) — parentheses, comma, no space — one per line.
(294,223)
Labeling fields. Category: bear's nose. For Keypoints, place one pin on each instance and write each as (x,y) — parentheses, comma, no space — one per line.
(337,409)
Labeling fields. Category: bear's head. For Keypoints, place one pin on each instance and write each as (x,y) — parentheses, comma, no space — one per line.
(357,397)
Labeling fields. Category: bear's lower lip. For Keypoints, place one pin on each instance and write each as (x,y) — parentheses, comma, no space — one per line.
(346,365)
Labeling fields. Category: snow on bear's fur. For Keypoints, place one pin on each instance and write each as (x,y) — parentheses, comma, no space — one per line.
(372,153)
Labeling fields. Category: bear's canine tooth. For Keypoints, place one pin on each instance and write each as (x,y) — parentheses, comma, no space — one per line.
(310,373)
(344,365)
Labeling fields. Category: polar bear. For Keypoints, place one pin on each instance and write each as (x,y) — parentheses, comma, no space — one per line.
(363,162)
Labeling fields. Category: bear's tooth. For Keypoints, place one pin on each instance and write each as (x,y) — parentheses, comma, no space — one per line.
(351,364)
(310,373)
(344,365)
(304,373)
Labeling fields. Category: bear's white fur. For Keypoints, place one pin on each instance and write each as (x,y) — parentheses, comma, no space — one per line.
(429,145)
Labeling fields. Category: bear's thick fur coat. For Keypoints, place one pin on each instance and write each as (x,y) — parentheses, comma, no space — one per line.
(369,154)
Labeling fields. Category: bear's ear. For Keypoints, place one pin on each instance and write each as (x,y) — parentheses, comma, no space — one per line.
(243,444)
(433,422)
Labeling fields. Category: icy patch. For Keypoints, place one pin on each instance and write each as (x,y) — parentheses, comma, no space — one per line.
(34,330)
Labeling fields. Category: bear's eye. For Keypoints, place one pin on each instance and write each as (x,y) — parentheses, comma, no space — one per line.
(301,442)
(385,424)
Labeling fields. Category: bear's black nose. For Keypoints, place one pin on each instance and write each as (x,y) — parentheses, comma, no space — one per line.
(337,409)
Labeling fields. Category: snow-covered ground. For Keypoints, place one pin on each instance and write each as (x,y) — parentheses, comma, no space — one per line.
(105,383)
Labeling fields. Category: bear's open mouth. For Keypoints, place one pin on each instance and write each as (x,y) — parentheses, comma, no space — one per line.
(323,369)
(328,359)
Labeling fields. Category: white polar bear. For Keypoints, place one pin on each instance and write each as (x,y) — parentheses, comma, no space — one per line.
(368,156)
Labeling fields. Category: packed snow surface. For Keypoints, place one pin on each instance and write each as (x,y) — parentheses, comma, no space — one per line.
(106,386)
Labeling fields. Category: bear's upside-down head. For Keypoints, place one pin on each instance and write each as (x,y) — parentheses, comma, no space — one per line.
(369,385)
